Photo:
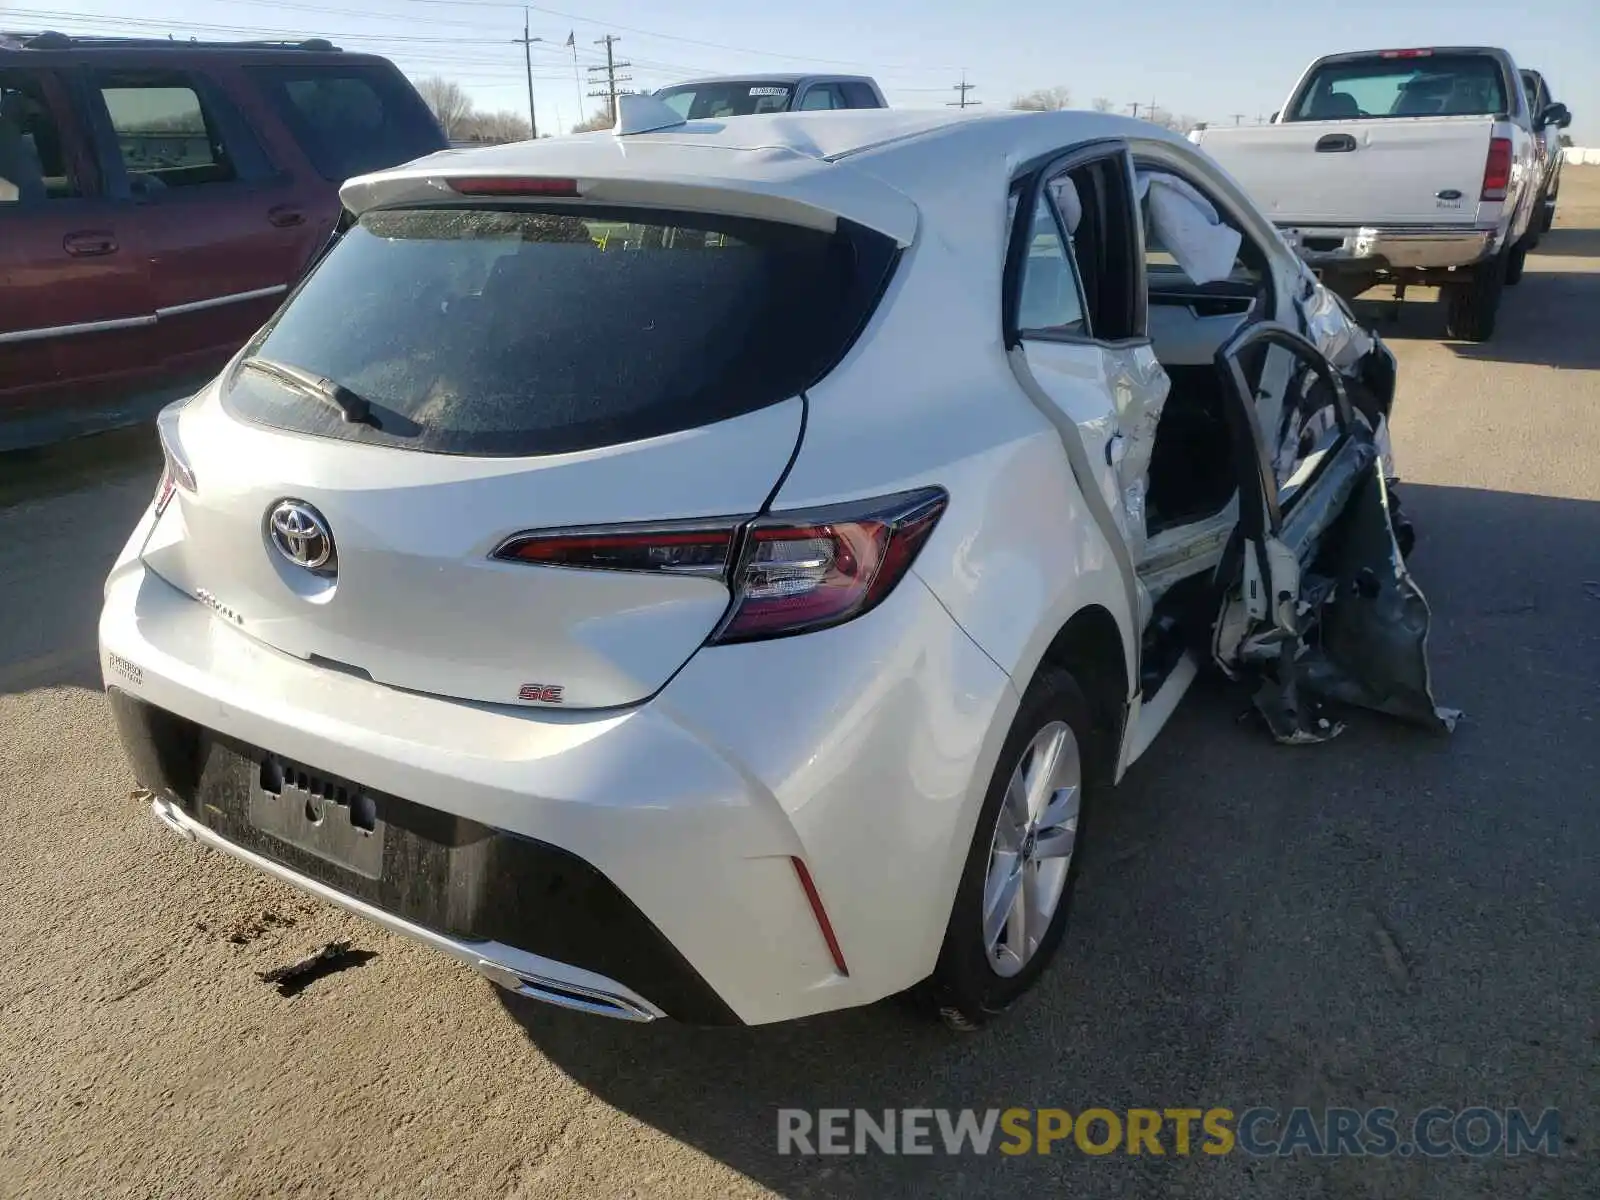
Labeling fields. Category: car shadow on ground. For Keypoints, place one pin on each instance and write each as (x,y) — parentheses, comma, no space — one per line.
(1570,243)
(1546,320)
(93,489)
(1371,915)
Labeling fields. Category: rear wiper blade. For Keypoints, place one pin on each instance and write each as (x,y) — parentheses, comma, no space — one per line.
(355,408)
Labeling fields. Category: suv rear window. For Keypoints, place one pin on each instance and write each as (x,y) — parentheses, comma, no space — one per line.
(351,119)
(546,330)
(693,101)
(1435,85)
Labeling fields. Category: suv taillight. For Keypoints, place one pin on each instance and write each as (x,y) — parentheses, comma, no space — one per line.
(788,573)
(1497,170)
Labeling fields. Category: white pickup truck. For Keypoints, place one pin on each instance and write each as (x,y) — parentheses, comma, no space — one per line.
(1402,167)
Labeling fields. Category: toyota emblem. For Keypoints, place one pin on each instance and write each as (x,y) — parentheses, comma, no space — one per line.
(299,533)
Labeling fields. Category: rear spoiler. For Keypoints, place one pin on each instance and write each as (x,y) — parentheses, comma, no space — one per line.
(667,171)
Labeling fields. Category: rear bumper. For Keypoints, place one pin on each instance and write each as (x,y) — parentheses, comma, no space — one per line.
(512,968)
(862,751)
(1390,248)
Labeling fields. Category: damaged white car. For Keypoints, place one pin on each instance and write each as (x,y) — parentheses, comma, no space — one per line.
(707,569)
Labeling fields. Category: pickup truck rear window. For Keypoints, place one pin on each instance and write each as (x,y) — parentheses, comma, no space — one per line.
(352,119)
(1435,85)
(738,99)
(543,330)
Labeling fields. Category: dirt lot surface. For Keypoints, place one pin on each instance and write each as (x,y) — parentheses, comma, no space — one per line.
(1388,919)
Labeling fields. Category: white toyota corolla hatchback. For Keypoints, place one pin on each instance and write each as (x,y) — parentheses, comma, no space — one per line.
(711,569)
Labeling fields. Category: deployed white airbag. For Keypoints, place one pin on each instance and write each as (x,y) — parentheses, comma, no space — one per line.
(1188,225)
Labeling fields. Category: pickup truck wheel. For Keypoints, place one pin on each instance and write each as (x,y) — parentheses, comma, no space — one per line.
(1471,307)
(1517,259)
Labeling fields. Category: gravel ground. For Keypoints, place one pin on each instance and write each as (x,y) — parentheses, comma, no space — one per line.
(1389,919)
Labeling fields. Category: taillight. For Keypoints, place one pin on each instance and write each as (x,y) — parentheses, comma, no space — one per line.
(788,573)
(1405,54)
(507,185)
(175,470)
(1497,170)
(702,549)
(799,572)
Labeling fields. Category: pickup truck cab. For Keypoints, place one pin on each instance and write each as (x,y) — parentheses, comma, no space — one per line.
(1554,117)
(1402,166)
(747,95)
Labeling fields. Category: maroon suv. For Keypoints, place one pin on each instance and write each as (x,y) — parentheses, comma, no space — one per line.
(158,198)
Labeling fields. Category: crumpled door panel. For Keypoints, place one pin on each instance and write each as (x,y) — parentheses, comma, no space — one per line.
(1315,599)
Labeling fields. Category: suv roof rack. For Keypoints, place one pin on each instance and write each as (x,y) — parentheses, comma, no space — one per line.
(50,40)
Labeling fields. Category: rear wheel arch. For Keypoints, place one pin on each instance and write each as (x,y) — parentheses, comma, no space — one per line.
(1089,647)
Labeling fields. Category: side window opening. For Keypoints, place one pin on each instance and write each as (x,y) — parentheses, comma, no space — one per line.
(1104,246)
(35,166)
(821,96)
(1050,302)
(165,136)
(349,120)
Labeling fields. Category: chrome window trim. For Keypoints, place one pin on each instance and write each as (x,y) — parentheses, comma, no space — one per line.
(139,322)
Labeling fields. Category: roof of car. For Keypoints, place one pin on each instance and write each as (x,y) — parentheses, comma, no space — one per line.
(791,78)
(862,164)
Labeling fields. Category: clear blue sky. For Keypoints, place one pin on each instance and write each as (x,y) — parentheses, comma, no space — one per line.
(1208,60)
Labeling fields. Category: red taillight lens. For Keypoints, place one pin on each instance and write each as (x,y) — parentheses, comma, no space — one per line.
(506,185)
(795,572)
(805,571)
(1406,54)
(175,470)
(1497,171)
(668,549)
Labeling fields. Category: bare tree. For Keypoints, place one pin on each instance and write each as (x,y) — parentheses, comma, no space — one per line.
(1044,100)
(494,127)
(449,101)
(1177,122)
(1100,104)
(600,119)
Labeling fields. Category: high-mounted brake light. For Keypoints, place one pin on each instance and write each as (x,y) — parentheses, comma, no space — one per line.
(506,185)
(800,572)
(1497,169)
(1407,54)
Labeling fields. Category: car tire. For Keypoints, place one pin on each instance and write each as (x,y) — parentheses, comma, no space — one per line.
(1471,308)
(1518,259)
(980,974)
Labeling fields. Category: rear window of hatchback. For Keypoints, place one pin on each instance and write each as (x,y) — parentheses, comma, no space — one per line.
(549,329)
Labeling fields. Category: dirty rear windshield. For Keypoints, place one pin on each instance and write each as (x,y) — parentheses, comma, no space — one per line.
(1443,85)
(542,331)
(695,100)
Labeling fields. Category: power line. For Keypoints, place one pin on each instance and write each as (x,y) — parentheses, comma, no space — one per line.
(612,78)
(961,89)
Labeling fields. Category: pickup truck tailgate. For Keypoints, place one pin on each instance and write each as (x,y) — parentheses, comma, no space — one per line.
(1379,172)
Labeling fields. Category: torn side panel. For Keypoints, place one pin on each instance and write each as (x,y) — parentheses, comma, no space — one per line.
(1372,648)
(1139,388)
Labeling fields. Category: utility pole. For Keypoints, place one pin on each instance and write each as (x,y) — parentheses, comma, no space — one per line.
(612,78)
(1135,107)
(527,60)
(1260,120)
(961,89)
(1237,117)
